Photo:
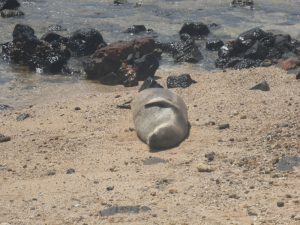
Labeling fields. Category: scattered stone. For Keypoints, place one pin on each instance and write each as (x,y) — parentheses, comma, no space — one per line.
(242,3)
(56,27)
(9,4)
(288,163)
(150,82)
(136,29)
(214,45)
(194,29)
(124,209)
(40,56)
(77,108)
(182,81)
(51,173)
(203,168)
(235,196)
(5,107)
(85,41)
(298,76)
(224,126)
(254,48)
(22,116)
(280,204)
(7,13)
(263,86)
(70,171)
(4,138)
(210,156)
(110,188)
(120,2)
(153,161)
(125,105)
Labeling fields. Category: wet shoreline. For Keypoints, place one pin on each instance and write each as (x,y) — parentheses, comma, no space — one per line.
(164,17)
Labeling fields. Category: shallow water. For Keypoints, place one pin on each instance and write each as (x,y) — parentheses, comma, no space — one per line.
(20,87)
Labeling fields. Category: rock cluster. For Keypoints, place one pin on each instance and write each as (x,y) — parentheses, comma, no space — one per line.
(124,62)
(255,48)
(10,8)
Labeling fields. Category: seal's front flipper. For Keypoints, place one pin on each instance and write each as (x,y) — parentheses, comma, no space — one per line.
(160,102)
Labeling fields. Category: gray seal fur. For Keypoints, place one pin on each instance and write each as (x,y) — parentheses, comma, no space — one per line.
(160,118)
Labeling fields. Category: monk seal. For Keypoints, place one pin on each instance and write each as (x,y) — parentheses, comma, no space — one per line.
(160,118)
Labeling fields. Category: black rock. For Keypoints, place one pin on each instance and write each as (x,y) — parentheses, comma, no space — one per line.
(283,42)
(242,3)
(150,82)
(230,49)
(23,116)
(53,38)
(120,2)
(182,81)
(7,13)
(214,45)
(263,86)
(298,76)
(135,29)
(256,51)
(194,29)
(210,156)
(26,49)
(251,35)
(85,41)
(186,51)
(24,33)
(9,4)
(146,66)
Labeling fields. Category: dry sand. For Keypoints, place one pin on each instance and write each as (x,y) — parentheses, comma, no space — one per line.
(98,142)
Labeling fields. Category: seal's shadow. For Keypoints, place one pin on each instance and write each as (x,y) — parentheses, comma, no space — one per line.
(153,150)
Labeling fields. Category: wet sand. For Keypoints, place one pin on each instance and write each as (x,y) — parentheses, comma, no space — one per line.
(97,141)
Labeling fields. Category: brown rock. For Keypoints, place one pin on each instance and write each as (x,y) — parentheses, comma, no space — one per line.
(289,64)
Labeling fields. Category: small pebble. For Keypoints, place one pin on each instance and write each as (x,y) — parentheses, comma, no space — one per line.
(70,171)
(77,108)
(203,168)
(110,188)
(4,138)
(224,126)
(280,204)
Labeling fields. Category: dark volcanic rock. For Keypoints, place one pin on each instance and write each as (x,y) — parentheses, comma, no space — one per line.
(194,29)
(9,4)
(183,51)
(150,82)
(54,38)
(214,45)
(85,41)
(135,29)
(263,86)
(123,62)
(27,49)
(254,48)
(182,81)
(298,76)
(146,66)
(6,13)
(242,3)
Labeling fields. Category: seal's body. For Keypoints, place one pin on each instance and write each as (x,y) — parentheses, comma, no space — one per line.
(160,118)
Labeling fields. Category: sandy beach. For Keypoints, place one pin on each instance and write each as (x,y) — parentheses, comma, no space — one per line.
(77,156)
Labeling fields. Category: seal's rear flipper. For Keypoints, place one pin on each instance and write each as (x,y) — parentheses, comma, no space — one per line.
(160,102)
